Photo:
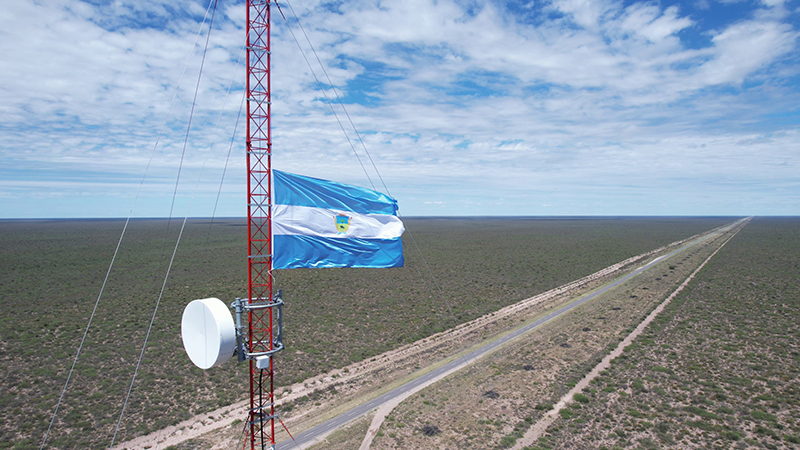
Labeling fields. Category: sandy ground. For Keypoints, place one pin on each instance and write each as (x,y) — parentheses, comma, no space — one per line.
(359,377)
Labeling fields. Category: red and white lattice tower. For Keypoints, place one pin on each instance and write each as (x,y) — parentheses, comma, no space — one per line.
(261,314)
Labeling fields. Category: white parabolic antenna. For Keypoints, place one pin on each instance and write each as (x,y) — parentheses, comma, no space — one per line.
(208,333)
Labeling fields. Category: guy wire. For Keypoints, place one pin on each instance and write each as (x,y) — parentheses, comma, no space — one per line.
(363,144)
(124,229)
(180,234)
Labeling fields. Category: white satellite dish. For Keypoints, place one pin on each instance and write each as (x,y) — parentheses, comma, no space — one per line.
(208,332)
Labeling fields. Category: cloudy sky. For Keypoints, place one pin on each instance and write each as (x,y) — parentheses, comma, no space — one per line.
(467,107)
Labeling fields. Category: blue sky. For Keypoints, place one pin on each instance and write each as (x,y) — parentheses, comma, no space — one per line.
(558,107)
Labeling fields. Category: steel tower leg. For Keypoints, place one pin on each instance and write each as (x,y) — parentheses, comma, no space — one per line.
(259,226)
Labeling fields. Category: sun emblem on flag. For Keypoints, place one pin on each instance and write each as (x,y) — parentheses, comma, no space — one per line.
(342,223)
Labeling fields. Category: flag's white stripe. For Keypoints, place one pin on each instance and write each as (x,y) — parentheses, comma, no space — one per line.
(308,221)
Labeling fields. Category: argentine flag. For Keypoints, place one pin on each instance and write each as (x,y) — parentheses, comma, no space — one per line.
(319,223)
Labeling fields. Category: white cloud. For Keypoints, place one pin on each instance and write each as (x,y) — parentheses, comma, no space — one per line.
(605,98)
(650,22)
(587,13)
(746,47)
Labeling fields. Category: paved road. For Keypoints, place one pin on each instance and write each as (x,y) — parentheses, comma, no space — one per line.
(306,437)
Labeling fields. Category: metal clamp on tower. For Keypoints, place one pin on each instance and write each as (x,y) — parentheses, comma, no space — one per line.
(261,357)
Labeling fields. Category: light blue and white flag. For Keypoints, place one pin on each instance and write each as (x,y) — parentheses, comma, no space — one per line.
(319,223)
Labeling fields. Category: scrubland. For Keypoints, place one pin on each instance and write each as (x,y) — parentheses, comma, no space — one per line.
(492,403)
(52,272)
(718,369)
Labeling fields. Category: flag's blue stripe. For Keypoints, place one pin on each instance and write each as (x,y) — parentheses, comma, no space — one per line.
(298,190)
(296,252)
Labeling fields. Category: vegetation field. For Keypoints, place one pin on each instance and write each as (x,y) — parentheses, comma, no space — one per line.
(493,402)
(718,369)
(51,273)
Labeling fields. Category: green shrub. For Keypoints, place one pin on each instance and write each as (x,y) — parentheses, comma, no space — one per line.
(580,398)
